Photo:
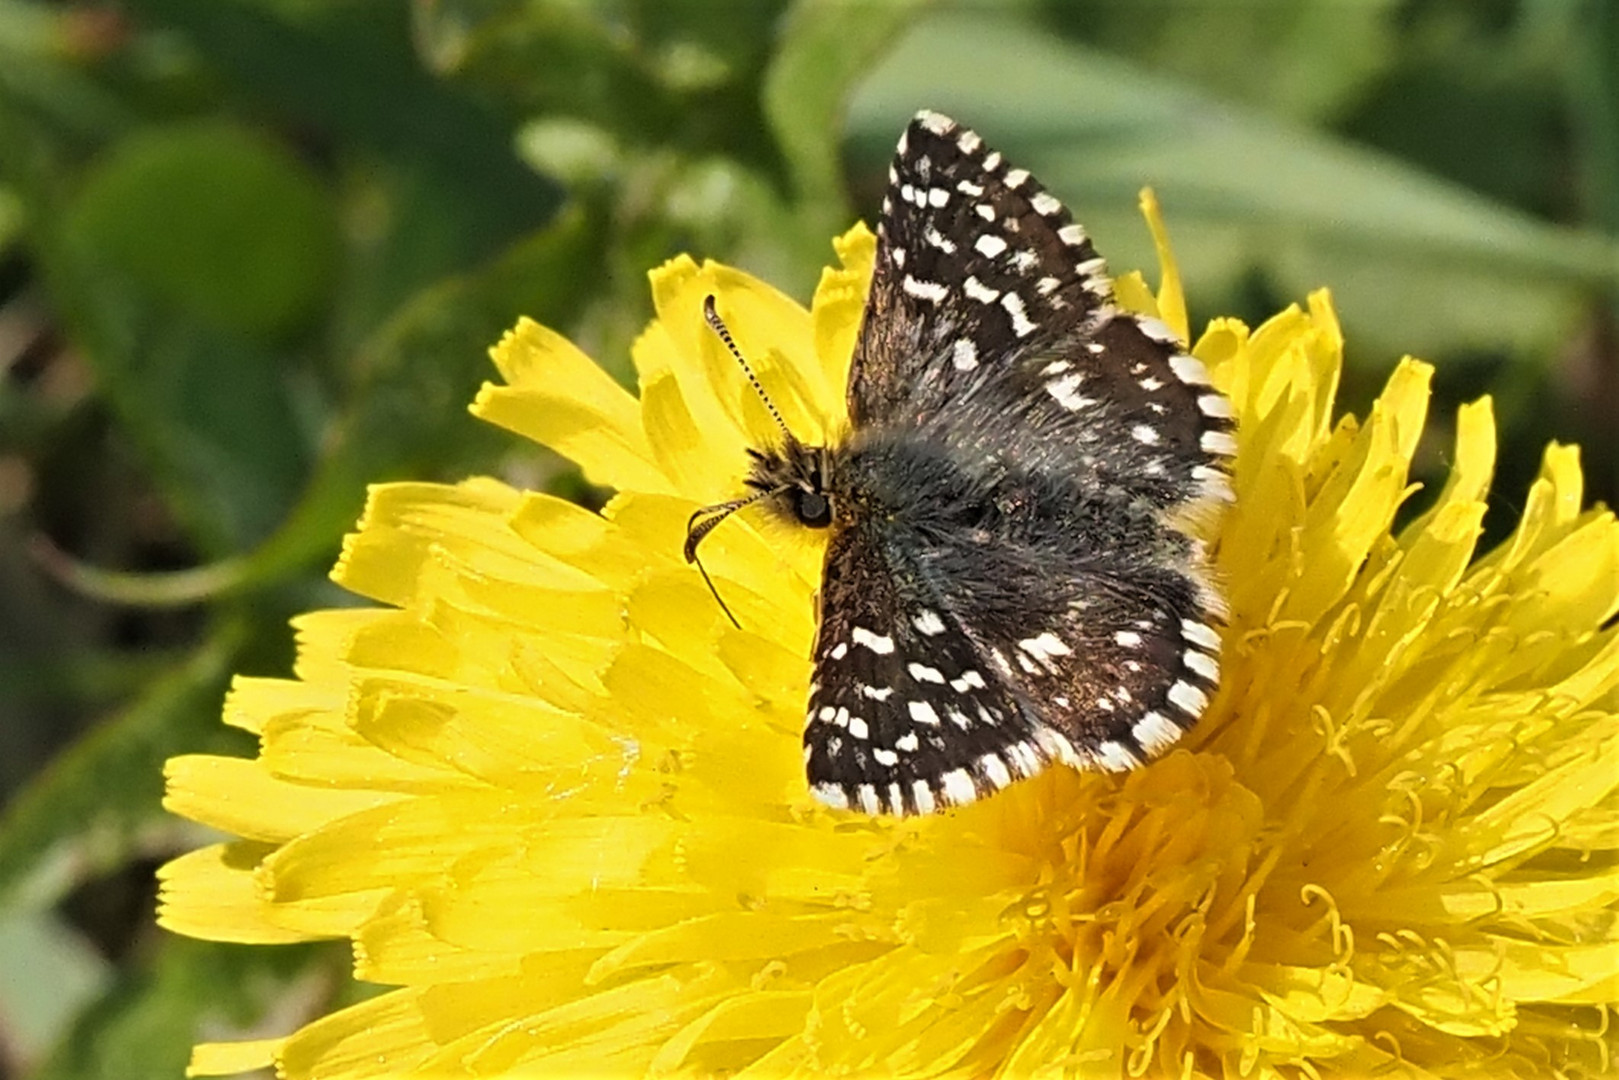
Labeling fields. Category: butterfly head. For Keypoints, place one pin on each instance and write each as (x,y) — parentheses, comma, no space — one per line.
(796,479)
(793,478)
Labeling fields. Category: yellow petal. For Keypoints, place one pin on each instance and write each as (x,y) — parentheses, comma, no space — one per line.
(555,395)
(242,797)
(1171,300)
(212,893)
(228,1059)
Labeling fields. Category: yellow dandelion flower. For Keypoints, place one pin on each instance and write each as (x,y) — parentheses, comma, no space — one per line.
(556,800)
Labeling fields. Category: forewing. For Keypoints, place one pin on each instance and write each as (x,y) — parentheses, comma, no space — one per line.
(985,291)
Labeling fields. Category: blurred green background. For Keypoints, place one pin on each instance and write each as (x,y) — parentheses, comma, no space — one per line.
(252,254)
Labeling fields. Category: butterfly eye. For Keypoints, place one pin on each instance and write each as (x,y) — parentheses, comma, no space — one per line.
(812,508)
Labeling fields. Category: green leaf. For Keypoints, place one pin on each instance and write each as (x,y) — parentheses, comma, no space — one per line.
(210,408)
(421,371)
(1298,60)
(47,973)
(11,219)
(351,72)
(826,45)
(86,809)
(1416,264)
(81,676)
(215,220)
(143,1028)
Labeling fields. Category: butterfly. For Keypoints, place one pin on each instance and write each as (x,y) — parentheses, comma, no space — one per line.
(1011,577)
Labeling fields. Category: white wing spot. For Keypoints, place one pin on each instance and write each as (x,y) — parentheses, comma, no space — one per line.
(1128,638)
(937,123)
(1200,634)
(832,795)
(1056,367)
(969,142)
(1016,177)
(1045,646)
(867,796)
(1202,664)
(1023,758)
(1155,732)
(1214,405)
(1157,329)
(922,713)
(1189,698)
(1092,267)
(1141,433)
(977,290)
(939,240)
(1046,286)
(992,161)
(923,673)
(1218,442)
(928,622)
(885,757)
(1072,235)
(1114,757)
(938,197)
(826,714)
(957,787)
(1057,747)
(967,680)
(985,211)
(1214,483)
(1021,326)
(923,796)
(967,187)
(881,644)
(924,290)
(877,693)
(908,742)
(1065,390)
(994,770)
(989,245)
(858,729)
(964,355)
(1189,369)
(898,255)
(839,651)
(1044,204)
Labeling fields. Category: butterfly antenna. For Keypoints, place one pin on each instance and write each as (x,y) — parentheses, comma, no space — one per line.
(696,529)
(718,326)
